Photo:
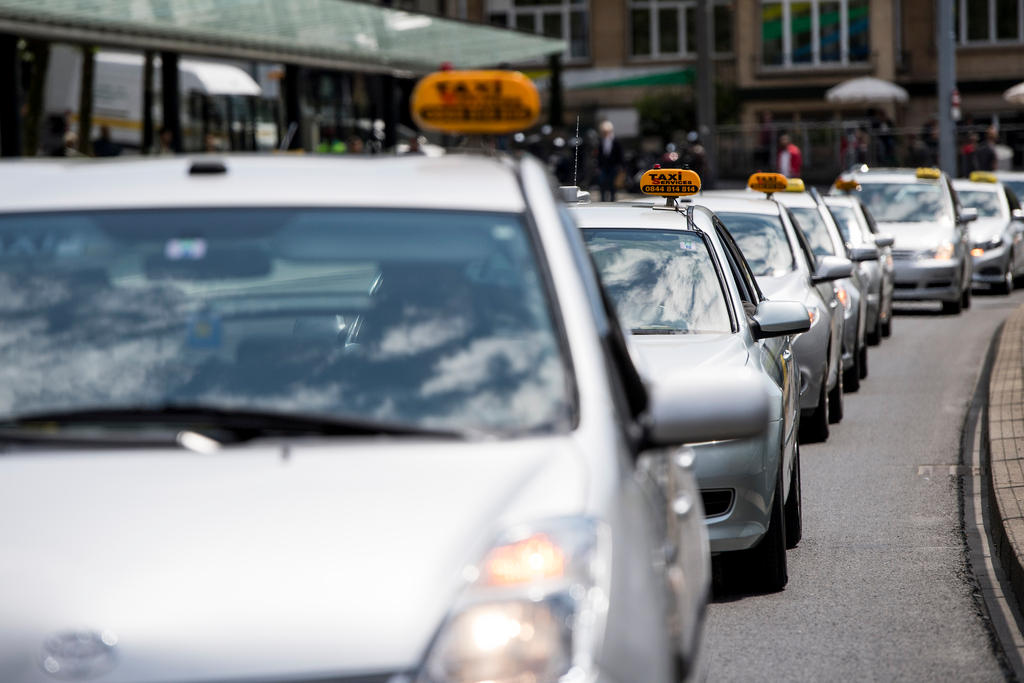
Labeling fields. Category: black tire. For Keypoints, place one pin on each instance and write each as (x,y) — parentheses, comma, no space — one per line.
(852,375)
(794,505)
(767,560)
(814,428)
(1006,286)
(874,336)
(835,401)
(864,362)
(953,307)
(886,327)
(965,297)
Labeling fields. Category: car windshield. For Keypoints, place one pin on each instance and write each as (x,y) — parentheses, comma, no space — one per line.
(662,282)
(903,202)
(846,219)
(763,241)
(812,224)
(986,202)
(427,318)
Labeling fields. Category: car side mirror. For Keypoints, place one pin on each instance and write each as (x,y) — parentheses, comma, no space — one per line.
(882,241)
(968,214)
(704,405)
(832,268)
(779,318)
(1018,214)
(863,253)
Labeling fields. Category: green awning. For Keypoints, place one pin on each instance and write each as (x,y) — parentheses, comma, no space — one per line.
(677,77)
(326,33)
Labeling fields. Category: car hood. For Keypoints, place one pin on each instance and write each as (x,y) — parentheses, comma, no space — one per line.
(916,236)
(334,558)
(662,353)
(985,229)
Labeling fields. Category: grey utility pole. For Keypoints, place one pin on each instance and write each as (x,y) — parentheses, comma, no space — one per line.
(706,92)
(945,43)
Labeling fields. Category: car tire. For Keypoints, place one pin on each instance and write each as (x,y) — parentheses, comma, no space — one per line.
(886,327)
(1006,286)
(874,336)
(767,560)
(864,362)
(952,307)
(851,376)
(814,428)
(965,298)
(794,505)
(835,401)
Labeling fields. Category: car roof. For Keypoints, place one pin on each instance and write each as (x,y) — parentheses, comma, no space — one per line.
(462,182)
(1010,175)
(891,175)
(963,184)
(798,199)
(840,200)
(729,202)
(622,215)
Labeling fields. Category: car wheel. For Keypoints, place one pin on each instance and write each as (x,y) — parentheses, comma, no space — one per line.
(794,505)
(851,376)
(952,307)
(814,429)
(767,560)
(886,327)
(835,401)
(864,362)
(1006,286)
(874,336)
(965,298)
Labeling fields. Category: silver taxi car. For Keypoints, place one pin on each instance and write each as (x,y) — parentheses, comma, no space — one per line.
(931,251)
(859,231)
(787,270)
(682,288)
(997,236)
(276,419)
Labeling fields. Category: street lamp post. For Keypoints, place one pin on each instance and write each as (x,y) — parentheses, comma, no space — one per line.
(946,48)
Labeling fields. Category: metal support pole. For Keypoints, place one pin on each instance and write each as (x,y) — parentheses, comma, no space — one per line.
(293,106)
(706,125)
(389,111)
(171,96)
(946,47)
(555,103)
(147,102)
(10,102)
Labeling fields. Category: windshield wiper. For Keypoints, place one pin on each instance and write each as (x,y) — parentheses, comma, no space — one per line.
(223,425)
(658,330)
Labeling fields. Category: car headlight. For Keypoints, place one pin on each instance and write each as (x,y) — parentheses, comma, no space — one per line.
(981,247)
(943,252)
(533,609)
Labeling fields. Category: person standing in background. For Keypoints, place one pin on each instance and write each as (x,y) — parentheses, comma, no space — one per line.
(789,162)
(985,157)
(609,161)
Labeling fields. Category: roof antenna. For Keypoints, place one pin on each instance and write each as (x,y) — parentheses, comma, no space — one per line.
(576,160)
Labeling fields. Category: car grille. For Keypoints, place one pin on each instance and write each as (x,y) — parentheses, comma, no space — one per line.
(716,503)
(991,270)
(904,254)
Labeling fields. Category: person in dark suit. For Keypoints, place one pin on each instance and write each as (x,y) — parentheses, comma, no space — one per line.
(609,161)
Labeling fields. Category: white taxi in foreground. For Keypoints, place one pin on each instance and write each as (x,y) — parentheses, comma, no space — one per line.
(345,419)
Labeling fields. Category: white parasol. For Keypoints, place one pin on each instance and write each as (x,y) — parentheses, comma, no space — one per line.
(866,90)
(1015,95)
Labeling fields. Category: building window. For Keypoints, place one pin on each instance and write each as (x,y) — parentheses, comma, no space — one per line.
(989,21)
(815,32)
(568,20)
(668,28)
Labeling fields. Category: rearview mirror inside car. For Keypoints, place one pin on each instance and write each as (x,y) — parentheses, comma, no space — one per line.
(863,253)
(832,268)
(779,318)
(692,406)
(882,241)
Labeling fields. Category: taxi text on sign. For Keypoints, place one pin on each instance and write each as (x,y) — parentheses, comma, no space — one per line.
(475,102)
(768,182)
(670,182)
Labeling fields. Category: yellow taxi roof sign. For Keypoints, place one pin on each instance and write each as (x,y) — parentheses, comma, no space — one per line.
(670,182)
(847,185)
(767,182)
(928,173)
(983,177)
(795,185)
(484,102)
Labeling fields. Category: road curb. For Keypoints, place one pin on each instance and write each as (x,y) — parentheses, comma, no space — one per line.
(1004,435)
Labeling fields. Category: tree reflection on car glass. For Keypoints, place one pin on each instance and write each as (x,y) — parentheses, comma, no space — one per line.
(431,318)
(662,282)
(813,226)
(846,219)
(903,202)
(763,241)
(987,203)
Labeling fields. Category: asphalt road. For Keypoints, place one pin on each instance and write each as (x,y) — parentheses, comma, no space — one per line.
(879,587)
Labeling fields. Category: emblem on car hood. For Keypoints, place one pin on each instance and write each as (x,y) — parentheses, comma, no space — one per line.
(75,655)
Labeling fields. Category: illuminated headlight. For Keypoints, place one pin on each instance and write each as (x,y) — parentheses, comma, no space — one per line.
(981,247)
(533,609)
(943,252)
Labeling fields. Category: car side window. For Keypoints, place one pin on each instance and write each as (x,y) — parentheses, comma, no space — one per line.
(868,218)
(805,246)
(1011,198)
(749,291)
